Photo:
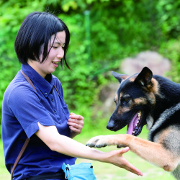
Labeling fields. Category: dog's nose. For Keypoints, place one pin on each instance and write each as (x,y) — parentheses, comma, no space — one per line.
(110,125)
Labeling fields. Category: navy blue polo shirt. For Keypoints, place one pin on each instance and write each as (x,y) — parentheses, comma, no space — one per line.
(22,109)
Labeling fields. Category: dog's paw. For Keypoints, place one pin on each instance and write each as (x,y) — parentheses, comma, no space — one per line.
(121,146)
(107,140)
(98,142)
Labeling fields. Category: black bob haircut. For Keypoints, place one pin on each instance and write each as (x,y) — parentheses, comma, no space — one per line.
(34,34)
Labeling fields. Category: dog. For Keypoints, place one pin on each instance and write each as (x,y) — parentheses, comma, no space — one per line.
(154,101)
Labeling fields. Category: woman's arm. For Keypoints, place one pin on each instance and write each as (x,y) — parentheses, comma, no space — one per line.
(65,145)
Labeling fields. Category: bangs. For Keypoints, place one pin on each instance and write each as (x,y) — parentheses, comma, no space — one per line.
(50,26)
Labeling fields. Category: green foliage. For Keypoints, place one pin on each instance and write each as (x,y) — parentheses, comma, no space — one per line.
(116,29)
(11,17)
(168,14)
(171,50)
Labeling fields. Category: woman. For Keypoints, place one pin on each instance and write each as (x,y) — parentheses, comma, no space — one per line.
(42,115)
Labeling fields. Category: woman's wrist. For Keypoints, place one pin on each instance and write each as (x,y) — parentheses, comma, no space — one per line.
(73,134)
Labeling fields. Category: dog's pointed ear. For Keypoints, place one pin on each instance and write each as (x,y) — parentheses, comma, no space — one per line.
(144,78)
(119,77)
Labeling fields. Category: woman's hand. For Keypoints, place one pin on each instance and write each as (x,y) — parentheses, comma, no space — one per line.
(75,123)
(116,157)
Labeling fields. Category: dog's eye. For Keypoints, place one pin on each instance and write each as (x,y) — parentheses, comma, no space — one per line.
(125,100)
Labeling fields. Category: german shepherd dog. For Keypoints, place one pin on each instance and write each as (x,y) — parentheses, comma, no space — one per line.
(154,101)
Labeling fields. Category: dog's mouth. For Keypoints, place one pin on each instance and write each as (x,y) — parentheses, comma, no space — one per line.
(134,127)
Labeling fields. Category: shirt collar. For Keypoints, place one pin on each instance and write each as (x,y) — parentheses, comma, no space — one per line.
(45,85)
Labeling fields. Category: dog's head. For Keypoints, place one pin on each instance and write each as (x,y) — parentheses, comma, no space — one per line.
(134,100)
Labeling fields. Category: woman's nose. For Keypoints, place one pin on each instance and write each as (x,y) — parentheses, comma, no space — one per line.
(60,53)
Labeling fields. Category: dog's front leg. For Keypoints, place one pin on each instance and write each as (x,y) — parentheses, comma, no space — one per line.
(153,152)
(107,140)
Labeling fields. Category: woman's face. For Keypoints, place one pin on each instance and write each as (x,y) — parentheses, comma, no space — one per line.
(54,57)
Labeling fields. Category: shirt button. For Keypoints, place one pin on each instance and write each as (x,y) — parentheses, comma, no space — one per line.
(54,112)
(45,93)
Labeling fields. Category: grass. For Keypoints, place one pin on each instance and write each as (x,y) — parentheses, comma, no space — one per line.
(4,174)
(104,171)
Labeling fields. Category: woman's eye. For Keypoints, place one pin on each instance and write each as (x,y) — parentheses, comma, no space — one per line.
(55,47)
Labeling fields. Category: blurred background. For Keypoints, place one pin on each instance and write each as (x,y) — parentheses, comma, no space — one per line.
(106,35)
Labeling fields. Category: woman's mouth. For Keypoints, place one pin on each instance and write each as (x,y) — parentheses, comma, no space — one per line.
(56,63)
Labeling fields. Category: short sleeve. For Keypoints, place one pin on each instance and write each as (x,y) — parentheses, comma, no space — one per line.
(26,106)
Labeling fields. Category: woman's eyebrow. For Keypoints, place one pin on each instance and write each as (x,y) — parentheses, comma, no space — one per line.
(59,43)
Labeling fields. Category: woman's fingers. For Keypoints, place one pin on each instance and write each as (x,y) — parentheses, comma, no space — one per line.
(76,123)
(117,159)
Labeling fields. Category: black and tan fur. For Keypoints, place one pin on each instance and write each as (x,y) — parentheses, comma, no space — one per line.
(158,101)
